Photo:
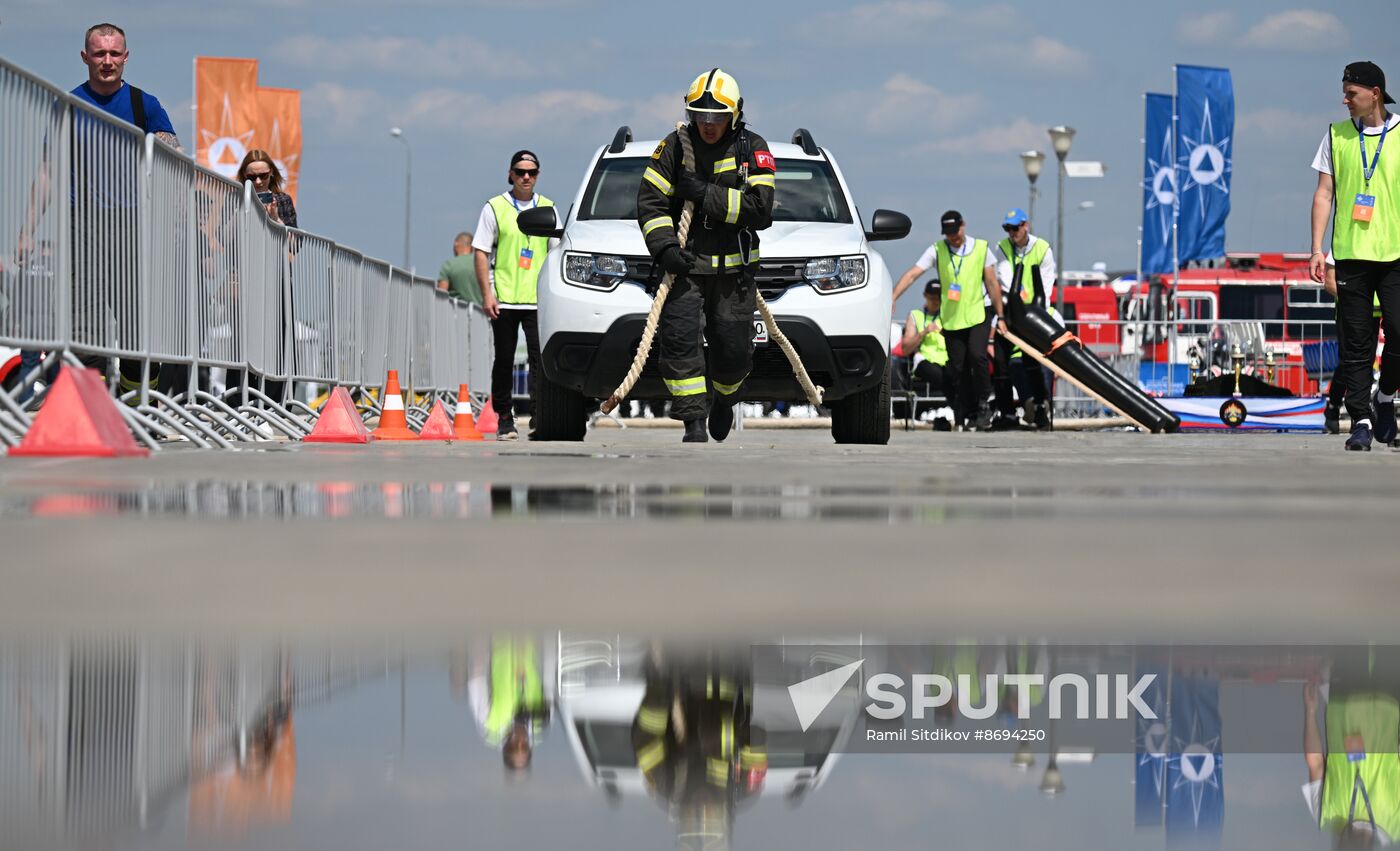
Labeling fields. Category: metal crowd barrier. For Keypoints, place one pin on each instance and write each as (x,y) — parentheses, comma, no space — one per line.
(119,252)
(104,738)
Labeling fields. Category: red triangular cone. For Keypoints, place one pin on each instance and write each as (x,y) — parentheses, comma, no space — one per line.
(488,422)
(79,418)
(438,426)
(339,421)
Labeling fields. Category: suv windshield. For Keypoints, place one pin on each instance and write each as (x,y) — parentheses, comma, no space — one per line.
(807,191)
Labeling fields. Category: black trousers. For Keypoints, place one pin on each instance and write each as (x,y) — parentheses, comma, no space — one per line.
(968,383)
(1030,379)
(1002,379)
(1337,388)
(1358,282)
(505,331)
(935,376)
(714,309)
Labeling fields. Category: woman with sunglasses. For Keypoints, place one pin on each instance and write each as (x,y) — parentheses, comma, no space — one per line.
(259,167)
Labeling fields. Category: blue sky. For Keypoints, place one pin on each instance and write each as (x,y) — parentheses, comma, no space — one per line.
(925,103)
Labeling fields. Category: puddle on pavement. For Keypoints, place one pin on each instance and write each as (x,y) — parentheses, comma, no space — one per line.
(555,740)
(930,502)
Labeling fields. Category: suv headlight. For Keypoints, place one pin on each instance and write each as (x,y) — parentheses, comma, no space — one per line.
(594,271)
(836,274)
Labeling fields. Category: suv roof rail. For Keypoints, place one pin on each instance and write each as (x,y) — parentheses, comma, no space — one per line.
(620,139)
(802,136)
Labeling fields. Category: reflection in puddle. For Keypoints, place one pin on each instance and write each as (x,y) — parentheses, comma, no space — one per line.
(929,502)
(467,500)
(133,743)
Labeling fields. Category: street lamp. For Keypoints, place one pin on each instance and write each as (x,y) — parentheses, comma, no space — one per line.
(1061,137)
(1032,160)
(397,133)
(1024,758)
(1052,783)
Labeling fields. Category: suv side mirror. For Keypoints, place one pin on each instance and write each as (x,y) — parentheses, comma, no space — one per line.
(885,224)
(544,221)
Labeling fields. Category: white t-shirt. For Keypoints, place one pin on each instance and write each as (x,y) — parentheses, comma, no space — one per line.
(929,258)
(486,234)
(1047,267)
(1323,161)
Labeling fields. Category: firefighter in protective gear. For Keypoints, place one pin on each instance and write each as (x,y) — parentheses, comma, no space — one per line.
(697,744)
(731,185)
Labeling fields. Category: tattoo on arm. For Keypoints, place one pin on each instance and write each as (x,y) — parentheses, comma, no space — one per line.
(170,139)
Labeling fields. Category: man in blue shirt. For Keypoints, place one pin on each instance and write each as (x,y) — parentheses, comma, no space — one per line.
(105,161)
(105,54)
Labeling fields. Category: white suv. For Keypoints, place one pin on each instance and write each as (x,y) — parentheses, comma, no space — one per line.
(828,290)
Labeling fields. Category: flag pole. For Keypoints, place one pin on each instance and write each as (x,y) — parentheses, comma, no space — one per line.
(1138,280)
(1176,190)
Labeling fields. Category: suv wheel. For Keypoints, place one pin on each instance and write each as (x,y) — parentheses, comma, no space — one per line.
(865,416)
(559,413)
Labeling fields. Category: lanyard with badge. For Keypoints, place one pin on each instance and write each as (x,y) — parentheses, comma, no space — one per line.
(956,261)
(527,254)
(1365,206)
(1355,747)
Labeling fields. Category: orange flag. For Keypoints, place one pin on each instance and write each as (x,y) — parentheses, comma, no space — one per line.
(227,113)
(279,132)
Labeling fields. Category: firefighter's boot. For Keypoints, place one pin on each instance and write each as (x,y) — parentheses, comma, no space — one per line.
(721,420)
(695,431)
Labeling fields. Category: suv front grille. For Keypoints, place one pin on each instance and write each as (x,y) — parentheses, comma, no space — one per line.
(774,277)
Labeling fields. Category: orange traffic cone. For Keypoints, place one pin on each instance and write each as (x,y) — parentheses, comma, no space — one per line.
(462,422)
(437,426)
(489,421)
(393,425)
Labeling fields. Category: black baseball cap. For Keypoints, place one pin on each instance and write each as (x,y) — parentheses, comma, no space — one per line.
(1367,74)
(933,287)
(529,156)
(950,222)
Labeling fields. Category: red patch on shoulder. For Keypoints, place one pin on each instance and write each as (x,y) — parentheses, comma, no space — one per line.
(763,159)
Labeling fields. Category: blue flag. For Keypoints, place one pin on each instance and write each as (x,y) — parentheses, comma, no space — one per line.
(1158,187)
(1205,101)
(1195,779)
(1152,741)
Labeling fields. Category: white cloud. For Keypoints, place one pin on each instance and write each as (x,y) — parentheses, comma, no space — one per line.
(902,20)
(1206,27)
(342,108)
(905,104)
(1283,125)
(1020,135)
(1298,29)
(452,56)
(1047,54)
(347,111)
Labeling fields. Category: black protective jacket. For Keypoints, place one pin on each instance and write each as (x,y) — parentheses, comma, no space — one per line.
(723,232)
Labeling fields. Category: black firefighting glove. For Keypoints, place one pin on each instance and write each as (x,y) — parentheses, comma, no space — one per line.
(691,188)
(676,260)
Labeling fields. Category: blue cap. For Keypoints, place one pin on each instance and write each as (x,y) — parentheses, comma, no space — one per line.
(1015,217)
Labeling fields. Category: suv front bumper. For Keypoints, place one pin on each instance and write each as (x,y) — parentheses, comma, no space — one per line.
(594,364)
